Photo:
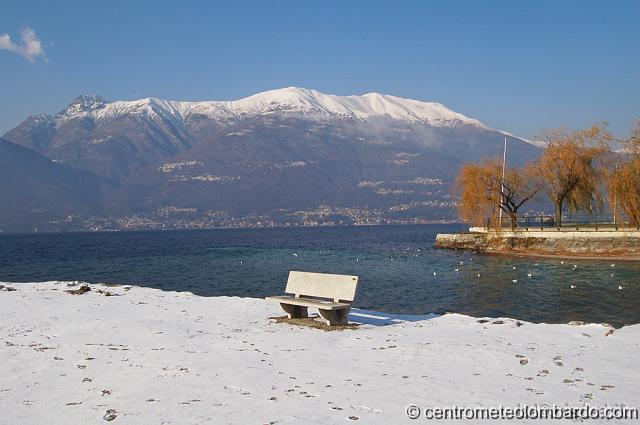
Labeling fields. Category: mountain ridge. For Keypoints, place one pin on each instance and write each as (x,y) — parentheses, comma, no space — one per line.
(283,156)
(307,102)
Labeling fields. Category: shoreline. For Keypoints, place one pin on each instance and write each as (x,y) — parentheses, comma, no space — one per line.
(151,356)
(587,245)
(179,229)
(357,316)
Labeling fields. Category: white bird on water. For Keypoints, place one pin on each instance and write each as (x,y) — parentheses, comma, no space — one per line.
(295,255)
(240,262)
(562,262)
(478,274)
(514,267)
(620,287)
(529,274)
(456,270)
(461,262)
(514,280)
(574,267)
(573,286)
(435,274)
(613,274)
(613,265)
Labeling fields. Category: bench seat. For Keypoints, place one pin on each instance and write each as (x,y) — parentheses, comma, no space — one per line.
(309,302)
(331,294)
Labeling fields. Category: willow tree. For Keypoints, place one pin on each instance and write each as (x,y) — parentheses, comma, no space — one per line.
(474,185)
(520,186)
(623,181)
(484,193)
(569,169)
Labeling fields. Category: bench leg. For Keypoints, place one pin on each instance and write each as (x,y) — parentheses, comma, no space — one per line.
(335,317)
(294,311)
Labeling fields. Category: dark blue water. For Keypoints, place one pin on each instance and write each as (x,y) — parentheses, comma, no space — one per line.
(396,265)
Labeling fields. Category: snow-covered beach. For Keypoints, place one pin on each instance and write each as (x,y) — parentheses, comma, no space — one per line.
(146,356)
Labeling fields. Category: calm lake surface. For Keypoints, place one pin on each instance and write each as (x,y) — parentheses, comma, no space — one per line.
(399,270)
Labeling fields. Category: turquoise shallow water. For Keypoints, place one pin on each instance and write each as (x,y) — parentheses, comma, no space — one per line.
(396,265)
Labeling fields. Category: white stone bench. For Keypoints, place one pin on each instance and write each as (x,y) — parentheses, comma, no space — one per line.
(331,294)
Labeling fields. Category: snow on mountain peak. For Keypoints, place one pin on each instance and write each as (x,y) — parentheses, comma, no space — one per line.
(84,103)
(290,101)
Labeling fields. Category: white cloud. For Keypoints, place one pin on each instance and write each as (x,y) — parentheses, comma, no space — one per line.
(30,48)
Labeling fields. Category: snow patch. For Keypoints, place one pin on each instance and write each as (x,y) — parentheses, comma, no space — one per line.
(290,102)
(149,356)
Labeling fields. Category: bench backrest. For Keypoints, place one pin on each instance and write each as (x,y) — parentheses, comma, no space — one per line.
(335,286)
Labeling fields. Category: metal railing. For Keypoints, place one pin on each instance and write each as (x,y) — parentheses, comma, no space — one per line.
(569,223)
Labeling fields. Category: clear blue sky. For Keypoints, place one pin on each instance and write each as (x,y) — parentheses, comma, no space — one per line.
(515,65)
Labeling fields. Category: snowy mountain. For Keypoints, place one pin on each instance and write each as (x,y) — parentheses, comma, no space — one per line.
(291,102)
(274,153)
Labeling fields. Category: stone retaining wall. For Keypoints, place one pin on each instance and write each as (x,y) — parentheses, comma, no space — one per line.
(588,243)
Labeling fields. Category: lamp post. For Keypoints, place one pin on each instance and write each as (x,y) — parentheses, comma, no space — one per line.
(615,204)
(504,163)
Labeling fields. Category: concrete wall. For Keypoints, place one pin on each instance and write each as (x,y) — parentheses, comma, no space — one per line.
(567,243)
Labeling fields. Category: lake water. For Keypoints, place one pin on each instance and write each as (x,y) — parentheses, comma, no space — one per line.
(399,270)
